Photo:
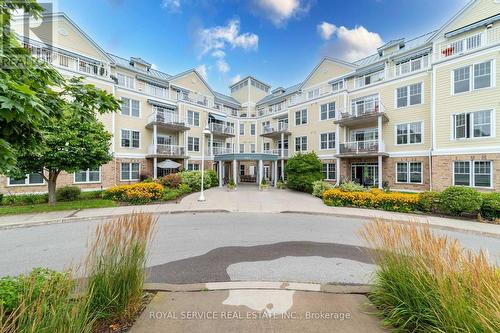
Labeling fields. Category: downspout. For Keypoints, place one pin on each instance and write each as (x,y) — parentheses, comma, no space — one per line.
(433,124)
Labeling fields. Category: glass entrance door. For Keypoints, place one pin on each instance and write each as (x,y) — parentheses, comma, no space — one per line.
(365,174)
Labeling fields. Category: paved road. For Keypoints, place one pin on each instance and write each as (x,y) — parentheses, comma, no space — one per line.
(192,248)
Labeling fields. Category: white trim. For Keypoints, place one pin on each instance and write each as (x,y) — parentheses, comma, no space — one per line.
(327,111)
(472,173)
(408,172)
(472,87)
(471,150)
(295,117)
(130,171)
(87,177)
(26,178)
(334,141)
(137,93)
(130,155)
(408,96)
(131,130)
(130,108)
(422,141)
(199,144)
(187,118)
(419,153)
(471,126)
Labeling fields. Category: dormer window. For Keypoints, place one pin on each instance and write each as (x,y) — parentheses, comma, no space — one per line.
(368,79)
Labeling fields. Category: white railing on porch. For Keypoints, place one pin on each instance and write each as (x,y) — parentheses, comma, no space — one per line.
(281,127)
(221,128)
(169,150)
(166,118)
(369,146)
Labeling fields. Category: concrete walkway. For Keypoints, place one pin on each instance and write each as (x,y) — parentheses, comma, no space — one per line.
(258,307)
(249,200)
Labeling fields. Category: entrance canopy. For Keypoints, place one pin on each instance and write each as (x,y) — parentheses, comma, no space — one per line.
(168,164)
(246,157)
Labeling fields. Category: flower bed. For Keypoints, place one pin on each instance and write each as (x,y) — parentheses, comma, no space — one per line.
(136,194)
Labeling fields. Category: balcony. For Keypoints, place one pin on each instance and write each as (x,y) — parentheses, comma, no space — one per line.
(278,152)
(361,148)
(61,60)
(221,130)
(275,131)
(167,120)
(197,99)
(220,151)
(167,151)
(468,44)
(362,114)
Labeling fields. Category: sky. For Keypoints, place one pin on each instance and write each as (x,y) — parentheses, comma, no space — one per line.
(277,41)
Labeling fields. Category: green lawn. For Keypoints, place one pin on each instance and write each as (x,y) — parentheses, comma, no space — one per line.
(66,205)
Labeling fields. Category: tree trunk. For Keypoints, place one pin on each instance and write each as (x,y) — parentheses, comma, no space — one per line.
(52,182)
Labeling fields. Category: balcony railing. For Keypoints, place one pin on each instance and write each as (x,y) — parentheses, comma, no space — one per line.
(360,147)
(221,129)
(166,118)
(282,154)
(61,60)
(168,150)
(470,43)
(220,150)
(281,127)
(371,107)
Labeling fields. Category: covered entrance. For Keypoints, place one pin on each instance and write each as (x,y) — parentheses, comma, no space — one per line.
(247,168)
(365,174)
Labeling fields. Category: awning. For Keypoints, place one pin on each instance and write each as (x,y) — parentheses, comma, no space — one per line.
(469,27)
(161,104)
(168,164)
(413,55)
(369,70)
(152,80)
(217,117)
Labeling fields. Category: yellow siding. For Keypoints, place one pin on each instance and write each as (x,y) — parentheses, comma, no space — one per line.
(480,10)
(327,70)
(193,82)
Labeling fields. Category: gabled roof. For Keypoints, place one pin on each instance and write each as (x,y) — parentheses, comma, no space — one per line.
(483,22)
(125,63)
(52,15)
(251,77)
(450,21)
(391,44)
(275,98)
(338,61)
(226,99)
(189,71)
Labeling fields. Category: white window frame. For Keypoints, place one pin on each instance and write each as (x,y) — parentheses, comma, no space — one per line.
(242,151)
(87,176)
(409,172)
(327,141)
(131,140)
(302,123)
(193,167)
(130,171)
(193,144)
(328,110)
(26,181)
(301,143)
(253,129)
(406,67)
(242,129)
(125,80)
(193,123)
(130,103)
(408,133)
(408,95)
(469,130)
(330,167)
(472,173)
(472,76)
(337,86)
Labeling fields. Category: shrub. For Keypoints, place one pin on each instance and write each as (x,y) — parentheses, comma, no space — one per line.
(171,194)
(428,201)
(460,199)
(351,186)
(212,178)
(302,171)
(428,283)
(68,193)
(135,194)
(25,199)
(193,180)
(185,189)
(172,180)
(319,187)
(375,198)
(1,198)
(91,195)
(116,266)
(490,209)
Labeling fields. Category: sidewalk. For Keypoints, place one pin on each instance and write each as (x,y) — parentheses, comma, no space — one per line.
(258,307)
(249,200)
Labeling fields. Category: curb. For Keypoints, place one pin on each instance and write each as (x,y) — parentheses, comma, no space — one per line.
(258,285)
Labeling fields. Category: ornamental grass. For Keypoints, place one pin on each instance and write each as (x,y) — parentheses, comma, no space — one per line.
(116,266)
(429,283)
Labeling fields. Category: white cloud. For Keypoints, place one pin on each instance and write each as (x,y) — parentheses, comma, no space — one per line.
(203,71)
(326,30)
(280,11)
(235,79)
(217,38)
(218,54)
(154,66)
(223,66)
(173,6)
(352,44)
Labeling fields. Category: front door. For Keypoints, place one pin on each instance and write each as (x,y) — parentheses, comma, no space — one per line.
(365,174)
(266,172)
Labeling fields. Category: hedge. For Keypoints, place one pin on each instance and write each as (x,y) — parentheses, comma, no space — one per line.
(135,194)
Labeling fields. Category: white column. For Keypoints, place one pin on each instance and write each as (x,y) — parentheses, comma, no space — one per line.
(221,174)
(283,169)
(261,170)
(282,145)
(235,175)
(337,171)
(155,150)
(212,144)
(380,180)
(275,173)
(379,128)
(155,171)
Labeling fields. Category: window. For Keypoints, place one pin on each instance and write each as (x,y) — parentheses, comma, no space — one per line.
(464,80)
(242,129)
(409,172)
(242,148)
(301,117)
(130,107)
(472,173)
(130,138)
(365,80)
(193,167)
(29,179)
(412,65)
(252,129)
(242,170)
(410,133)
(193,118)
(327,140)
(301,143)
(409,95)
(193,144)
(337,86)
(125,81)
(252,148)
(313,93)
(266,146)
(473,124)
(130,171)
(329,171)
(88,176)
(327,111)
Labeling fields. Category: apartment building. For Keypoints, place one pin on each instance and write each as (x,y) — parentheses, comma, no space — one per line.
(420,114)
